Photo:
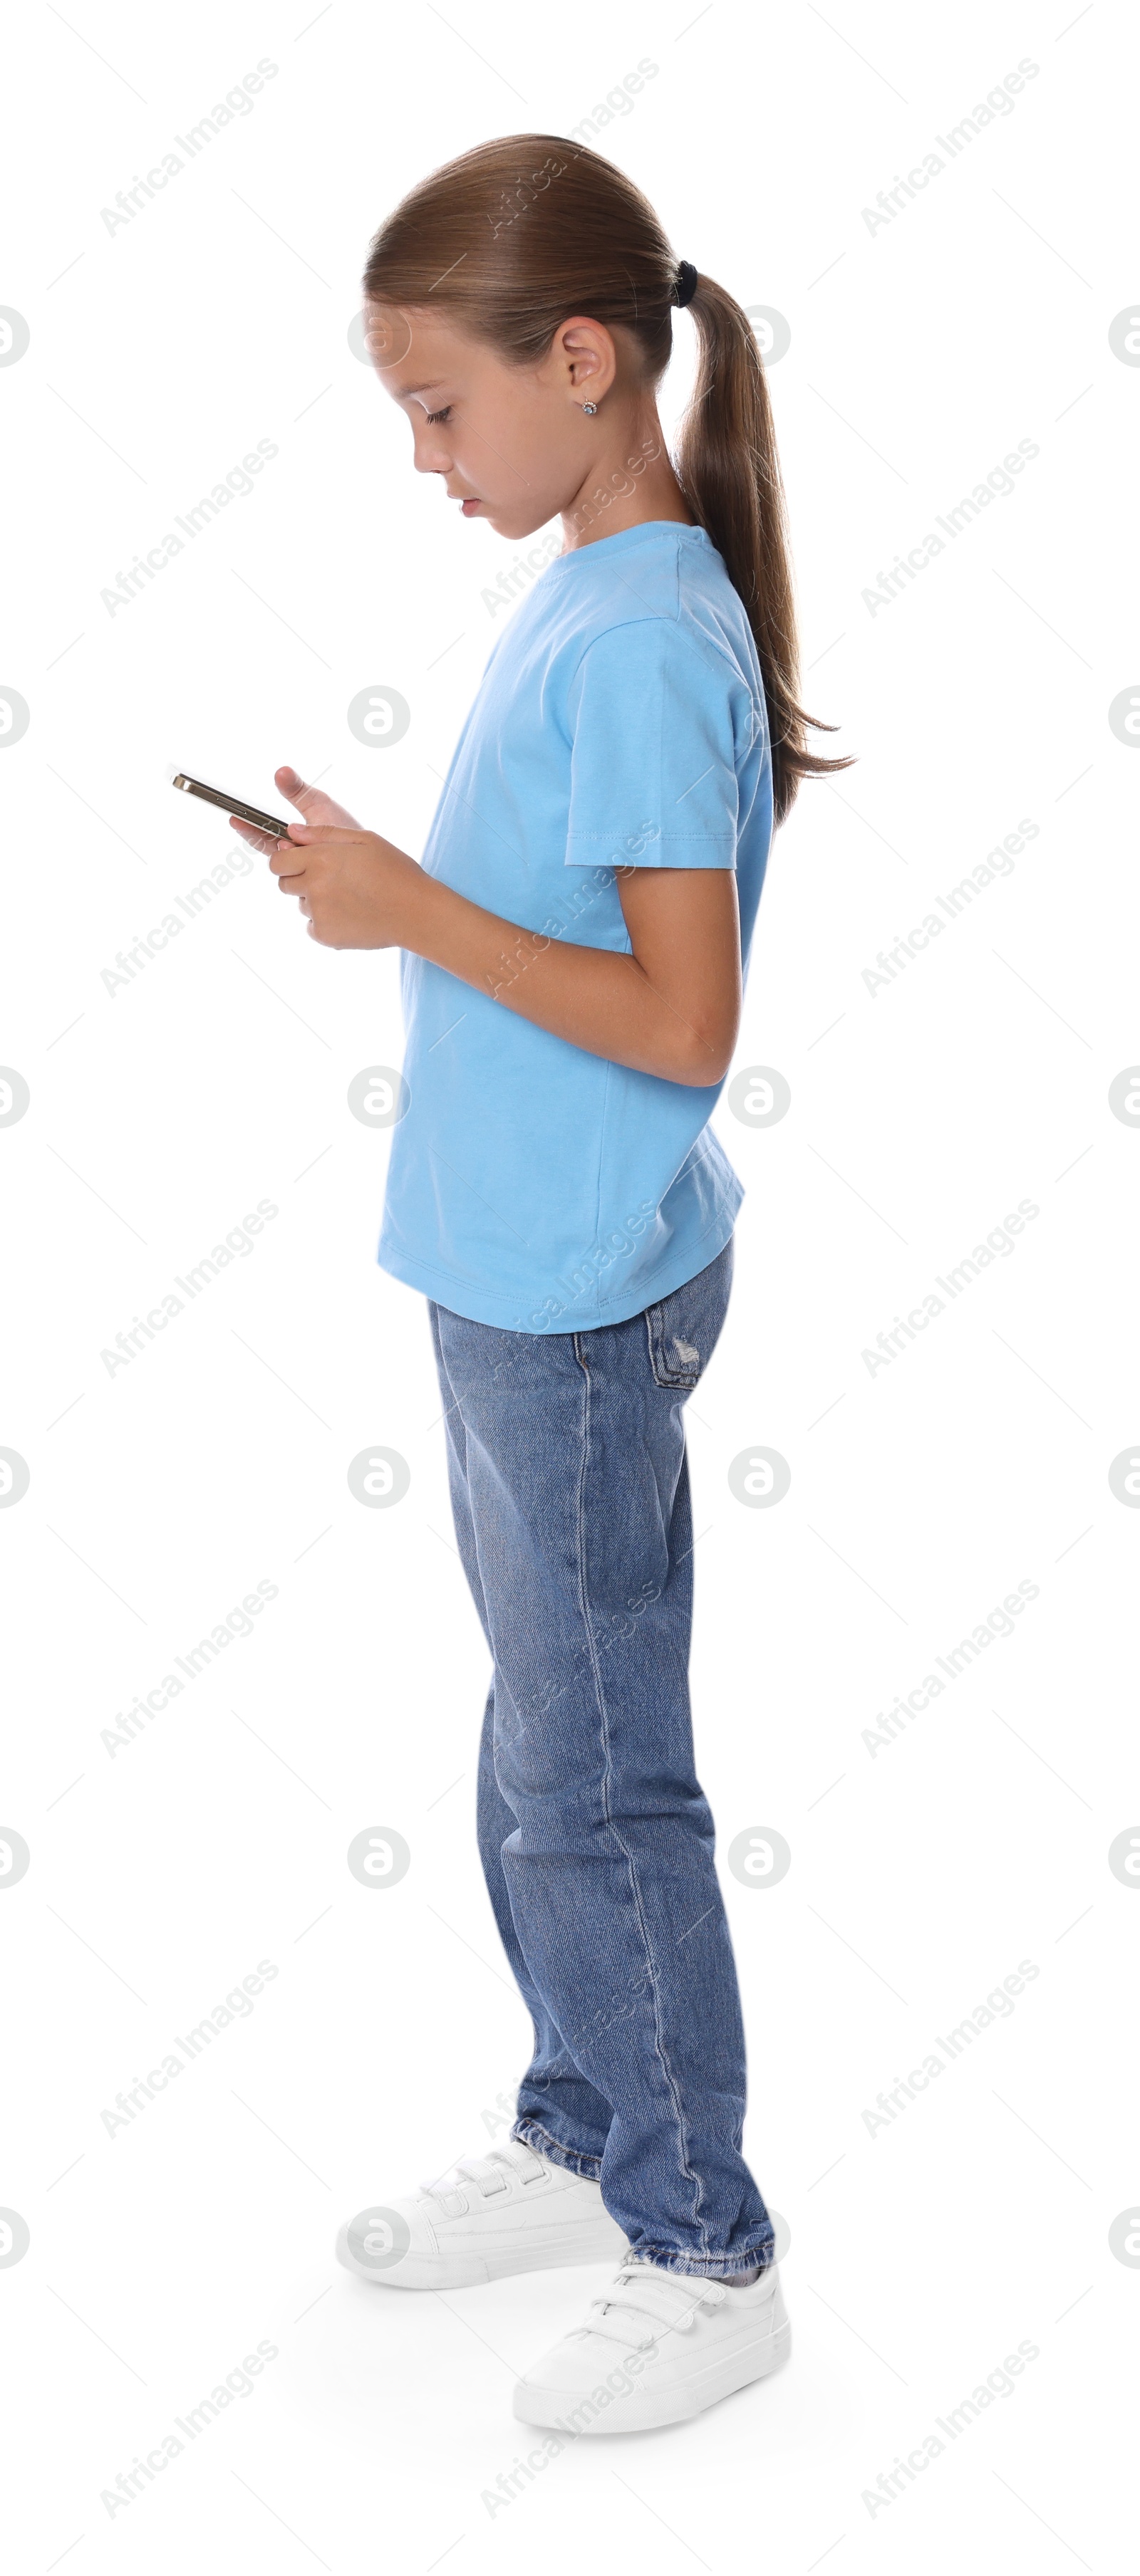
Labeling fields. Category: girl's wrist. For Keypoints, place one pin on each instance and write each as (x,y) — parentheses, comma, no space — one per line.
(418,908)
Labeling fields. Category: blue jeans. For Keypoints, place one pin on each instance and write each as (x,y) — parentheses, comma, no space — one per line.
(570,1491)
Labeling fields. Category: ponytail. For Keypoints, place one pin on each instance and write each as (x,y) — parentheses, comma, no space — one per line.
(729,471)
(520,232)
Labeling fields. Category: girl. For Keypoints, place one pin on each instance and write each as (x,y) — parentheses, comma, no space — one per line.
(574,947)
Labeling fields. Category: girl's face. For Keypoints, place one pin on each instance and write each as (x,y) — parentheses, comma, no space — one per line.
(511,441)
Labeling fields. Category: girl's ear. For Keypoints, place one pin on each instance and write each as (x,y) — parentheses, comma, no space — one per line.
(585,356)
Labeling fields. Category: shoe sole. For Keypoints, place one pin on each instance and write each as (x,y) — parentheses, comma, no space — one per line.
(554,2408)
(590,2244)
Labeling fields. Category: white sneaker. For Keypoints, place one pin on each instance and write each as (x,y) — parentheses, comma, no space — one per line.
(509,2211)
(658,2347)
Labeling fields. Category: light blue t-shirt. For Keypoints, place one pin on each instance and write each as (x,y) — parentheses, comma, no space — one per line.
(620,720)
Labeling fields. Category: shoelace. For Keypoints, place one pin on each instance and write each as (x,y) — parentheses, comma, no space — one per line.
(667,2299)
(491,2174)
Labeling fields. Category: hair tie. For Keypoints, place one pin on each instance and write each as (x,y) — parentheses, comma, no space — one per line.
(685,285)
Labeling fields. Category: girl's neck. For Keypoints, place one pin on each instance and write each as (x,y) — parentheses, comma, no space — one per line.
(630,483)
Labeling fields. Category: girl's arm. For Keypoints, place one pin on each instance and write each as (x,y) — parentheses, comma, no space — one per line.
(672,1008)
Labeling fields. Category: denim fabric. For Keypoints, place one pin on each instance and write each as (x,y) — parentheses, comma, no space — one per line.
(570,1491)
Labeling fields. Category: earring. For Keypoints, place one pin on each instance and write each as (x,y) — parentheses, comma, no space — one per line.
(589,410)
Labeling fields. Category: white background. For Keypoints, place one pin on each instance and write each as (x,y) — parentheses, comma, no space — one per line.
(922,1872)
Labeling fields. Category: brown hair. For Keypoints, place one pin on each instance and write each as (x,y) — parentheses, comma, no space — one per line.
(518,234)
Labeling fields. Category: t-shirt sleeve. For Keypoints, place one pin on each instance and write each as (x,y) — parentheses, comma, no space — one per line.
(652,774)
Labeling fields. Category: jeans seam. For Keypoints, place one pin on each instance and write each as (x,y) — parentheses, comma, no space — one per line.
(686,2168)
(668,2260)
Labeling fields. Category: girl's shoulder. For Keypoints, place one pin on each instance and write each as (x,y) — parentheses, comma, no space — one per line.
(645,620)
(659,589)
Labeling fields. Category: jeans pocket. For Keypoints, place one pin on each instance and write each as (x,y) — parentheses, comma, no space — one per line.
(685,1328)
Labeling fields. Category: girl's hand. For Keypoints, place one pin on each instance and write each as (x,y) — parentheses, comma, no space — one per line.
(355,889)
(311,803)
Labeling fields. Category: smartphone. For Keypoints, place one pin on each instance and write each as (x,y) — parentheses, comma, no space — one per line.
(230,804)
